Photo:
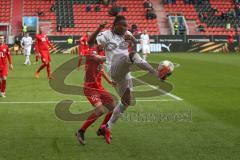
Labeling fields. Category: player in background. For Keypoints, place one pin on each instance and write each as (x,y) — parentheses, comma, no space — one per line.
(145,44)
(229,46)
(116,44)
(83,48)
(26,44)
(4,57)
(42,45)
(94,91)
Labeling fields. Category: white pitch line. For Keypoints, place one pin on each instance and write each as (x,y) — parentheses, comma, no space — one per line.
(160,90)
(54,102)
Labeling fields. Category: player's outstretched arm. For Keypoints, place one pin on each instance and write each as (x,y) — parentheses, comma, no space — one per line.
(93,36)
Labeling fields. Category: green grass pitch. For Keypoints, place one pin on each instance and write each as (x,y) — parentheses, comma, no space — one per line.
(208,84)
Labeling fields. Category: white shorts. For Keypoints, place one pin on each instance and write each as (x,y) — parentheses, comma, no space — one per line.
(146,49)
(27,51)
(120,73)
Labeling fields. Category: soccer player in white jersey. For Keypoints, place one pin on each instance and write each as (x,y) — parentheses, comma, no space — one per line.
(116,43)
(26,43)
(145,44)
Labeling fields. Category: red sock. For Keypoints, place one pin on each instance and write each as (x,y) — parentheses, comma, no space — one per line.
(0,85)
(92,118)
(3,86)
(48,70)
(107,117)
(41,67)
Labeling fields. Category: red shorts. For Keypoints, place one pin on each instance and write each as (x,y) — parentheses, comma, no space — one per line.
(96,95)
(4,72)
(46,58)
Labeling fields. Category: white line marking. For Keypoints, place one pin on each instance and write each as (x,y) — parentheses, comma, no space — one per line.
(54,102)
(160,90)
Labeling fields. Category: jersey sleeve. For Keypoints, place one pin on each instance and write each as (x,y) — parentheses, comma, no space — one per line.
(31,40)
(102,39)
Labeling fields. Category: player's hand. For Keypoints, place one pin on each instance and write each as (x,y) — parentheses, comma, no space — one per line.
(102,25)
(129,37)
(113,83)
(11,67)
(54,49)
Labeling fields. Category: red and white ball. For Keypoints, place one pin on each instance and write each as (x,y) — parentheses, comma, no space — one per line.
(165,69)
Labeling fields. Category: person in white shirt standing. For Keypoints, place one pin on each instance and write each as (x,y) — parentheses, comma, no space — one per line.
(26,43)
(145,44)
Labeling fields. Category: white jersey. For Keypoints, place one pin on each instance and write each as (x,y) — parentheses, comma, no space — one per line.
(26,42)
(144,39)
(115,46)
(117,58)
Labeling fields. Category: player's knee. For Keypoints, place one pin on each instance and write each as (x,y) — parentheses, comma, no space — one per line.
(4,78)
(110,107)
(100,109)
(126,98)
(126,101)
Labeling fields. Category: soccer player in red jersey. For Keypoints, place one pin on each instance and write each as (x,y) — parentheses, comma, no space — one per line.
(4,57)
(42,47)
(95,92)
(83,47)
(229,46)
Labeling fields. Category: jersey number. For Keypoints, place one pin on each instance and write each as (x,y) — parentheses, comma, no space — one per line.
(1,54)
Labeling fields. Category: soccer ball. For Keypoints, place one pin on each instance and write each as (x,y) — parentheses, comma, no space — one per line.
(165,69)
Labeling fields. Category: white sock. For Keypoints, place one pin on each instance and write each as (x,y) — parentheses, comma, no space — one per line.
(28,60)
(117,112)
(143,64)
(25,60)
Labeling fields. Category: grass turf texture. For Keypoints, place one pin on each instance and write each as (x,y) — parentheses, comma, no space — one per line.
(209,85)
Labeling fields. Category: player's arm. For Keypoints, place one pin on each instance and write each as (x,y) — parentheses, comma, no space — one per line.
(129,37)
(9,57)
(82,41)
(31,41)
(141,41)
(107,79)
(21,43)
(93,36)
(97,58)
(50,44)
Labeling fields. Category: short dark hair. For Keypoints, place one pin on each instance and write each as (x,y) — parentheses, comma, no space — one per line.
(118,19)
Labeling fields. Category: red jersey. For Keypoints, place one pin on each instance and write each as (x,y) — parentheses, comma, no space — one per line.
(4,56)
(84,42)
(94,69)
(99,76)
(42,43)
(231,38)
